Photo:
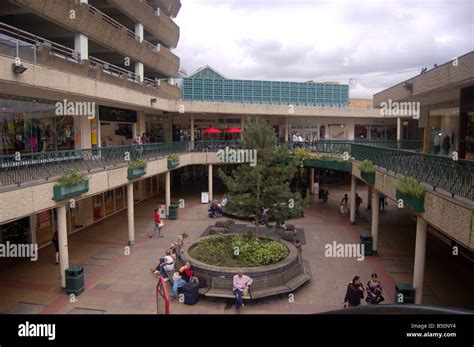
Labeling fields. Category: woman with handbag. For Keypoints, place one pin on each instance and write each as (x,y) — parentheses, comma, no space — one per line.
(374,291)
(158,226)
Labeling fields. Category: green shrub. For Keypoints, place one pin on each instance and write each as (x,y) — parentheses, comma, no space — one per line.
(367,166)
(410,186)
(138,164)
(70,178)
(173,157)
(243,250)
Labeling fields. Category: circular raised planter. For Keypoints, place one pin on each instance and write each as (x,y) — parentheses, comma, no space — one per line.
(211,271)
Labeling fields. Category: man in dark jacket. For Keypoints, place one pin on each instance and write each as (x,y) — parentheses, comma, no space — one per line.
(355,292)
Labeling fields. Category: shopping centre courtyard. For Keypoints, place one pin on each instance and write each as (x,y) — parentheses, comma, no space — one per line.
(119,283)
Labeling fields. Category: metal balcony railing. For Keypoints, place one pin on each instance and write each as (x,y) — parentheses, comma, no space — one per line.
(453,176)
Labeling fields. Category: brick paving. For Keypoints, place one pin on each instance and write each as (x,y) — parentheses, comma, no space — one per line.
(120,283)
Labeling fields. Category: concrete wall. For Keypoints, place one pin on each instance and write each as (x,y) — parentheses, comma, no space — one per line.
(161,27)
(441,77)
(451,217)
(33,199)
(100,30)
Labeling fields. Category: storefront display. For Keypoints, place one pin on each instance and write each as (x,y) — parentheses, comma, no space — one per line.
(119,199)
(16,231)
(97,207)
(109,202)
(29,126)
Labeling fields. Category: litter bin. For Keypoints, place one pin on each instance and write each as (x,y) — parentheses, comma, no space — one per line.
(173,211)
(74,280)
(404,293)
(366,240)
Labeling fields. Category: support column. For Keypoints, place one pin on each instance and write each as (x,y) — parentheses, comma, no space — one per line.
(353,198)
(311,180)
(375,219)
(81,44)
(242,126)
(399,129)
(139,69)
(426,140)
(63,246)
(192,131)
(369,197)
(167,192)
(287,129)
(420,254)
(210,182)
(130,214)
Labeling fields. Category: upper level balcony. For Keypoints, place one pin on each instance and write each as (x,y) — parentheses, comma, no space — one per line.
(105,31)
(156,22)
(170,7)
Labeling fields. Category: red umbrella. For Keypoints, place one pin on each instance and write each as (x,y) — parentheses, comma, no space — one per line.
(212,131)
(232,130)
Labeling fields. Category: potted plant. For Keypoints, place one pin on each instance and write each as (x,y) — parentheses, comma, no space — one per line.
(367,171)
(136,169)
(173,161)
(72,183)
(411,192)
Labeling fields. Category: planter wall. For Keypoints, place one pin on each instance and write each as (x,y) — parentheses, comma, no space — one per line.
(67,192)
(173,163)
(135,173)
(411,202)
(345,166)
(369,178)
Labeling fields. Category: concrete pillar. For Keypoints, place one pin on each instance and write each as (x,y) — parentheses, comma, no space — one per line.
(63,246)
(139,31)
(399,129)
(192,127)
(130,214)
(353,198)
(369,196)
(242,126)
(81,44)
(167,191)
(210,182)
(420,254)
(375,219)
(311,180)
(287,129)
(139,71)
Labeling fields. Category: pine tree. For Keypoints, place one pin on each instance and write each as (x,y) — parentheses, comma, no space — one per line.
(251,189)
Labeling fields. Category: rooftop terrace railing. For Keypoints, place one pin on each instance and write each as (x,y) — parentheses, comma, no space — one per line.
(455,177)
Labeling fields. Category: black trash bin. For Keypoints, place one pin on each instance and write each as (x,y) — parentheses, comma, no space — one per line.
(173,211)
(366,240)
(74,280)
(404,293)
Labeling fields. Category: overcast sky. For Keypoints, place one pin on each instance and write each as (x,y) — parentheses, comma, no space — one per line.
(336,40)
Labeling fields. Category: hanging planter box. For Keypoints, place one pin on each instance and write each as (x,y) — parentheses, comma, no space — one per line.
(369,178)
(173,163)
(345,166)
(413,203)
(67,192)
(135,173)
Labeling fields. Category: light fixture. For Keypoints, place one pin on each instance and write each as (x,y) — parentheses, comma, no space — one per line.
(153,100)
(18,68)
(408,86)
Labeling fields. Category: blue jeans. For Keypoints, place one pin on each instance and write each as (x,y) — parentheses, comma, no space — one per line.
(178,284)
(238,297)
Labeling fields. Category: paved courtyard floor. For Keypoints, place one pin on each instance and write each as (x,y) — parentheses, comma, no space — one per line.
(120,283)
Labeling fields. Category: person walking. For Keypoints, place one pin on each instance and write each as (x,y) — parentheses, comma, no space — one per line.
(343,205)
(358,202)
(158,226)
(241,288)
(374,291)
(354,292)
(55,242)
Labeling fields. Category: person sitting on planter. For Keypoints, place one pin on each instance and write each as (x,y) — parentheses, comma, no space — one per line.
(241,288)
(182,277)
(166,264)
(216,209)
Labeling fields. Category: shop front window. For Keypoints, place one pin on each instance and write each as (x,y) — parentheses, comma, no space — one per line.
(360,132)
(29,126)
